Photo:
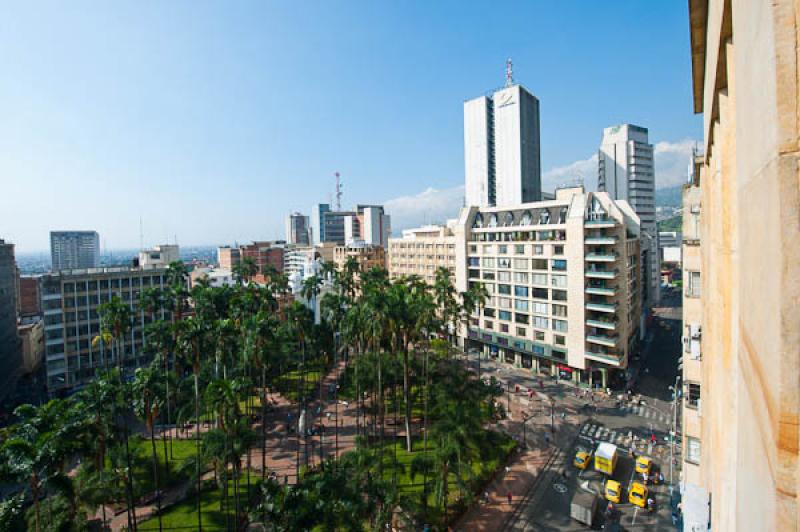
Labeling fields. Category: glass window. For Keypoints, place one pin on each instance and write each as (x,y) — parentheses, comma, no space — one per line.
(521,264)
(472,248)
(560,355)
(560,325)
(502,249)
(559,340)
(487,248)
(559,280)
(473,261)
(558,249)
(504,302)
(503,262)
(521,291)
(693,284)
(560,310)
(521,331)
(488,312)
(692,395)
(504,276)
(540,293)
(487,274)
(487,262)
(538,249)
(504,289)
(540,308)
(692,450)
(474,274)
(519,249)
(559,265)
(559,295)
(488,325)
(520,277)
(539,278)
(503,328)
(521,304)
(505,315)
(521,318)
(538,264)
(539,322)
(538,336)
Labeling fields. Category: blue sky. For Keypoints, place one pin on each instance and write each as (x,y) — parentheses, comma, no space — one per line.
(213,120)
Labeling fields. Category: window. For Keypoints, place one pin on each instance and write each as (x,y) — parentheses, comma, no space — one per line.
(692,395)
(521,304)
(559,280)
(521,264)
(488,312)
(538,249)
(486,274)
(540,323)
(521,331)
(502,249)
(474,274)
(558,249)
(538,264)
(540,293)
(692,450)
(559,265)
(473,261)
(559,295)
(473,248)
(539,278)
(693,284)
(503,263)
(520,277)
(560,326)
(560,355)
(505,315)
(519,249)
(538,336)
(487,262)
(540,308)
(503,328)
(504,276)
(559,340)
(488,325)
(560,311)
(521,291)
(486,248)
(504,302)
(504,289)
(521,318)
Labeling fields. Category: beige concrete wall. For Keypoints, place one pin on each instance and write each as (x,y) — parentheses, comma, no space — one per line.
(750,234)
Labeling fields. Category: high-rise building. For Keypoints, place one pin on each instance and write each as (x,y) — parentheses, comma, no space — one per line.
(745,287)
(228,257)
(422,251)
(10,354)
(625,171)
(73,250)
(375,225)
(318,222)
(298,229)
(70,301)
(265,255)
(563,282)
(501,148)
(29,296)
(369,223)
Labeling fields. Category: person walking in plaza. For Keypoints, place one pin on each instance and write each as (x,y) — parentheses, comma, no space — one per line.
(509,497)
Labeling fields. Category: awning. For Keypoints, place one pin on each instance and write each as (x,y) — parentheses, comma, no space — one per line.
(563,367)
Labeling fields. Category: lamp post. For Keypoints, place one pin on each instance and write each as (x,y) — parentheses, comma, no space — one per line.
(525,430)
(552,415)
(673,429)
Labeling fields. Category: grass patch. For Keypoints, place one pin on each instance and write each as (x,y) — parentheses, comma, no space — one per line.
(142,457)
(289,383)
(183,515)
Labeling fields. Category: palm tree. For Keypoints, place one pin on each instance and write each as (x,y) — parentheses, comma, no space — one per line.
(445,294)
(147,404)
(310,290)
(244,270)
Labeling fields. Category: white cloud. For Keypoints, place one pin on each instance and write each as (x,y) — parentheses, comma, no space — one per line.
(429,206)
(437,205)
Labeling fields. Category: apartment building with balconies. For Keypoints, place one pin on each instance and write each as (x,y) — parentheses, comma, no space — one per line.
(564,284)
(421,251)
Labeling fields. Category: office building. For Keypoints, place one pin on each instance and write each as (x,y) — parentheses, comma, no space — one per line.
(215,277)
(31,334)
(159,256)
(422,251)
(228,257)
(318,222)
(265,255)
(10,348)
(625,171)
(298,228)
(375,225)
(367,223)
(74,250)
(744,73)
(563,282)
(70,301)
(501,148)
(29,296)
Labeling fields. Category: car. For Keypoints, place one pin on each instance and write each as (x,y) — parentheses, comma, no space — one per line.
(638,494)
(582,459)
(644,465)
(613,491)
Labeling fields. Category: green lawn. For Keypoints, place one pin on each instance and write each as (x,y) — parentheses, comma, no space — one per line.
(289,383)
(184,514)
(142,452)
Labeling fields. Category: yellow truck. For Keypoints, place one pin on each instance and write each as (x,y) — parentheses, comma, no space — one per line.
(605,458)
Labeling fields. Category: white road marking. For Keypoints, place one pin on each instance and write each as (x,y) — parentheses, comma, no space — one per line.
(635,513)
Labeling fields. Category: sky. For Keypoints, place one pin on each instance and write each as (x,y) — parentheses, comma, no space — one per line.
(211,121)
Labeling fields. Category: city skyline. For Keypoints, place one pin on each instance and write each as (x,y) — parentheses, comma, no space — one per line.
(211,129)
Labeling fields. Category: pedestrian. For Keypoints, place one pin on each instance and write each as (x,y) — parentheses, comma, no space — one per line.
(633,454)
(546,438)
(509,497)
(653,438)
(564,474)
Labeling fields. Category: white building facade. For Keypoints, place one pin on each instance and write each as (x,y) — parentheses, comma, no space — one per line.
(421,251)
(71,250)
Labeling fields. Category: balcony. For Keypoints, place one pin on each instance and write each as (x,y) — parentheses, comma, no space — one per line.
(608,341)
(595,273)
(602,324)
(601,257)
(602,307)
(601,291)
(600,222)
(608,358)
(601,240)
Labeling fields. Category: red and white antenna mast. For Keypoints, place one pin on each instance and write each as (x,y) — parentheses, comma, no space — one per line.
(509,73)
(338,192)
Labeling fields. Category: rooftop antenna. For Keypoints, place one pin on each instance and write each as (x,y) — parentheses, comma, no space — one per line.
(509,72)
(338,192)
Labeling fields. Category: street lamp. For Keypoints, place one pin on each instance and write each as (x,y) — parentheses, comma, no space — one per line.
(673,429)
(552,415)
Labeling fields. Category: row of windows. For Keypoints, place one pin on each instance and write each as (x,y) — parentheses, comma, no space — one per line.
(518,249)
(518,264)
(537,322)
(519,236)
(103,284)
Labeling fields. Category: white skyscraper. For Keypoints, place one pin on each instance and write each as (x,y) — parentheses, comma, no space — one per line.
(626,172)
(74,249)
(501,148)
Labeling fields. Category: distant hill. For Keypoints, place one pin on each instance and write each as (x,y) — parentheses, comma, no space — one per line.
(669,196)
(670,224)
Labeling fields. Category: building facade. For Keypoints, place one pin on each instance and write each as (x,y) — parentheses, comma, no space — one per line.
(264,255)
(228,257)
(626,172)
(501,148)
(159,256)
(298,229)
(421,252)
(563,282)
(74,249)
(70,301)
(31,334)
(366,256)
(745,83)
(29,296)
(10,348)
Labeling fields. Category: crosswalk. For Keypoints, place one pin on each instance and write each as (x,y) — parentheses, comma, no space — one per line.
(646,412)
(597,432)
